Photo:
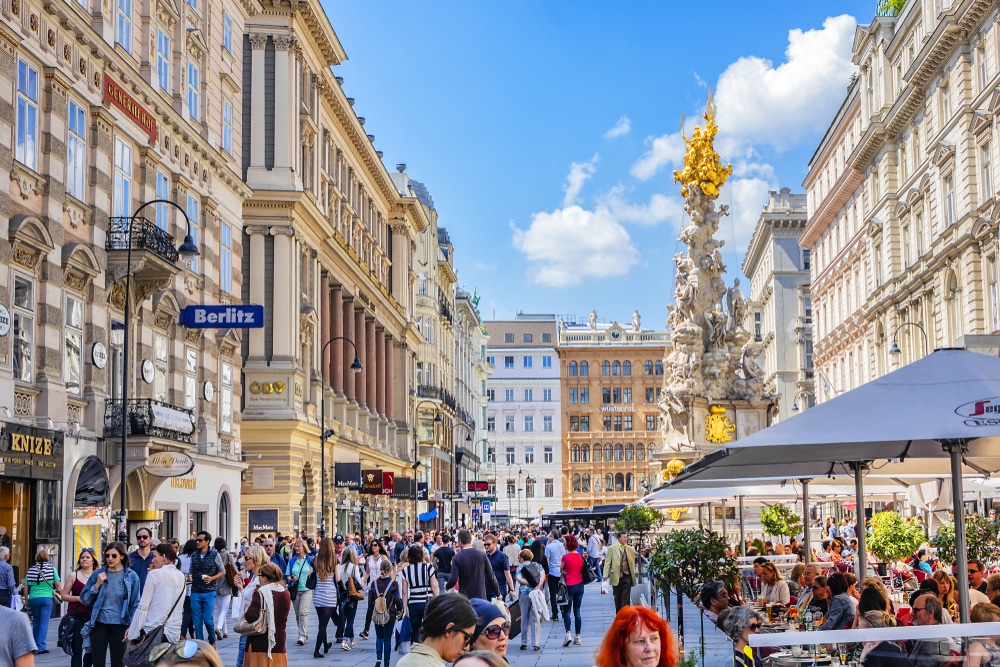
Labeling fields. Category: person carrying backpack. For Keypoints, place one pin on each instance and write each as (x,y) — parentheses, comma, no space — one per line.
(385,600)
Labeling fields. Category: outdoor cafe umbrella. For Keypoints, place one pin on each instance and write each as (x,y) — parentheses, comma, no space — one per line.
(943,406)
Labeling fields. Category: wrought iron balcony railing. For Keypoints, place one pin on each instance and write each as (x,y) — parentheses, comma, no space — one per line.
(145,236)
(149,417)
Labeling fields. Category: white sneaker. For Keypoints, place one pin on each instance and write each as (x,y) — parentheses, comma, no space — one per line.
(352,643)
(345,646)
(568,640)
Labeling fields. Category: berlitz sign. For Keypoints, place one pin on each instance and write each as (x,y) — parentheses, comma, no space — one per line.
(223,317)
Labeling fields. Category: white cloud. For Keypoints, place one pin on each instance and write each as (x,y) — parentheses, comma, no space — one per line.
(777,105)
(748,196)
(660,207)
(579,173)
(480,265)
(572,244)
(621,128)
(667,149)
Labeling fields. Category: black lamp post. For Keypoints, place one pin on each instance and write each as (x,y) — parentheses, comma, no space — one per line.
(894,350)
(454,472)
(324,432)
(187,250)
(416,454)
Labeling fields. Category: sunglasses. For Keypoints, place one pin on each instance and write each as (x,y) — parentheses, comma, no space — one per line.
(754,626)
(111,555)
(468,637)
(185,650)
(198,539)
(142,537)
(493,631)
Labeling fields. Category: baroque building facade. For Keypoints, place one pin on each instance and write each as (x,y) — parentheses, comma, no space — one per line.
(610,378)
(330,242)
(107,106)
(472,370)
(780,304)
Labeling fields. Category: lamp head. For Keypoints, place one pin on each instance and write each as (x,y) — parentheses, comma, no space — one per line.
(188,249)
(437,417)
(357,366)
(328,433)
(894,350)
(795,407)
(468,438)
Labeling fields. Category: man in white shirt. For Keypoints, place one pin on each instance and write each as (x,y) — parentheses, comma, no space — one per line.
(162,598)
(554,551)
(594,552)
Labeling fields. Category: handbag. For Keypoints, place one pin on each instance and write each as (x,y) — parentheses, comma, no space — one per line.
(588,574)
(562,595)
(250,629)
(311,580)
(137,651)
(352,588)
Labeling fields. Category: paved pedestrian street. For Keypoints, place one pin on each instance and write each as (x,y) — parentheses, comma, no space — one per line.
(598,611)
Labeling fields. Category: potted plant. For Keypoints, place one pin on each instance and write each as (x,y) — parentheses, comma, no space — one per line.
(891,538)
(779,521)
(638,520)
(980,540)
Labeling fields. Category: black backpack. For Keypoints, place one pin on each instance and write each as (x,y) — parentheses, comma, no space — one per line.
(67,626)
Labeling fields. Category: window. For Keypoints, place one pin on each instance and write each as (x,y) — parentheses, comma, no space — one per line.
(546,338)
(226,397)
(758,326)
(629,452)
(193,218)
(193,91)
(547,423)
(547,361)
(24,329)
(572,369)
(529,454)
(529,424)
(627,369)
(651,449)
(529,395)
(491,361)
(585,424)
(586,482)
(659,368)
(491,394)
(547,454)
(227,33)
(227,126)
(619,482)
(584,369)
(124,33)
(190,378)
(527,362)
(585,453)
(618,422)
(616,395)
(647,368)
(508,395)
(73,342)
(609,483)
(574,454)
(945,103)
(160,355)
(616,368)
(576,483)
(985,171)
(511,488)
(607,422)
(608,456)
(584,395)
(628,422)
(650,422)
(529,487)
(526,338)
(918,232)
(491,424)
(627,395)
(422,290)
(629,481)
(597,453)
(546,395)
(508,362)
(981,65)
(163,60)
(491,455)
(76,151)
(640,452)
(902,163)
(508,455)
(226,260)
(162,192)
(949,200)
(574,396)
(605,368)
(549,487)
(806,260)
(27,115)
(904,232)
(991,268)
(606,395)
(508,424)
(123,180)
(650,395)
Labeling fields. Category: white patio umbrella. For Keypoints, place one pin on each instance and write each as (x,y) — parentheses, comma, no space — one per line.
(945,406)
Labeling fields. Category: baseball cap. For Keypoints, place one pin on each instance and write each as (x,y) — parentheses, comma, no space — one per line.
(338,538)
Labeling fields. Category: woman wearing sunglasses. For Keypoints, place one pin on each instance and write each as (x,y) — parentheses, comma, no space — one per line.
(72,588)
(447,630)
(740,623)
(492,628)
(112,593)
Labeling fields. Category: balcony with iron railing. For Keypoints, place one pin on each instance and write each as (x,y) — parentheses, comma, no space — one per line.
(153,251)
(149,417)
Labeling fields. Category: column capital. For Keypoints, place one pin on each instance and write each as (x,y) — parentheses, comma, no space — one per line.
(282,231)
(258,41)
(283,42)
(257,230)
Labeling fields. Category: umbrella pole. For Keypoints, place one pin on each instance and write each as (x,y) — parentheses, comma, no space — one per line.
(723,519)
(861,569)
(806,541)
(743,531)
(954,449)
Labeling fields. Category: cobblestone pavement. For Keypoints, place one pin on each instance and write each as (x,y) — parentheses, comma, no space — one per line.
(597,611)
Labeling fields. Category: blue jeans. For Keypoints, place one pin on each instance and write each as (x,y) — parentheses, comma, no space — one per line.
(243,649)
(416,612)
(574,600)
(203,615)
(345,625)
(41,610)
(595,564)
(383,642)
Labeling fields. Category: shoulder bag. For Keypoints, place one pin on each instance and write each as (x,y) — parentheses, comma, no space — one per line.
(137,651)
(562,595)
(250,629)
(587,572)
(352,587)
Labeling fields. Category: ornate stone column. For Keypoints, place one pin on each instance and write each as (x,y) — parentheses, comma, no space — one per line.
(284,127)
(360,379)
(258,288)
(336,373)
(380,382)
(284,318)
(372,366)
(348,352)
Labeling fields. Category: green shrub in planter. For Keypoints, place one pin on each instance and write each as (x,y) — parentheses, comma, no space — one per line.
(891,538)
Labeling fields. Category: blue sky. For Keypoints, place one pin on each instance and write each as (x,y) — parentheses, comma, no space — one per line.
(547,131)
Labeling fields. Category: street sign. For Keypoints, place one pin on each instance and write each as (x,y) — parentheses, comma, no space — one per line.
(488,499)
(451,495)
(478,486)
(242,316)
(486,507)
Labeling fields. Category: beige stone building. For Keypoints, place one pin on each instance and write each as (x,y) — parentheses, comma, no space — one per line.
(106,106)
(903,225)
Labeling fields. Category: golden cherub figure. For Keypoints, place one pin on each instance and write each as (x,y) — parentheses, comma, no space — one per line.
(702,166)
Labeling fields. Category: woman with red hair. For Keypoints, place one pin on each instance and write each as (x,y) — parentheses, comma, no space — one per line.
(638,637)
(571,568)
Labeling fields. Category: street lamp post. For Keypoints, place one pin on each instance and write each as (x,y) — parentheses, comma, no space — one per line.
(454,471)
(482,517)
(416,454)
(894,350)
(795,402)
(324,433)
(187,250)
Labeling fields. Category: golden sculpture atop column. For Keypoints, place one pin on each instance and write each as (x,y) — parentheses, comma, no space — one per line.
(702,166)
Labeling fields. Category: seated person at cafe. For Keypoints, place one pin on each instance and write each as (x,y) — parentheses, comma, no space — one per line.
(840,614)
(926,609)
(808,580)
(820,596)
(773,588)
(714,599)
(880,653)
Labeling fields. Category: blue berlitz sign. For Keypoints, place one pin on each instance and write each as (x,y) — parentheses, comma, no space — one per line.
(223,317)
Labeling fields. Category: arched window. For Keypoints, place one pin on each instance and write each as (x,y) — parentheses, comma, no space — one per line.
(597,453)
(659,368)
(224,515)
(629,452)
(619,482)
(586,482)
(584,369)
(647,368)
(628,481)
(572,369)
(627,368)
(574,455)
(576,483)
(585,453)
(619,452)
(640,452)
(651,451)
(609,483)
(608,456)
(616,368)
(605,368)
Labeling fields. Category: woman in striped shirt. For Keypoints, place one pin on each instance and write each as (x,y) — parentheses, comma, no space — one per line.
(419,585)
(42,580)
(325,594)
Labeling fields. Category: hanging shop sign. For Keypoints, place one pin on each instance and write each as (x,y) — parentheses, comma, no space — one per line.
(116,95)
(388,483)
(347,476)
(4,320)
(371,482)
(169,464)
(262,521)
(28,452)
